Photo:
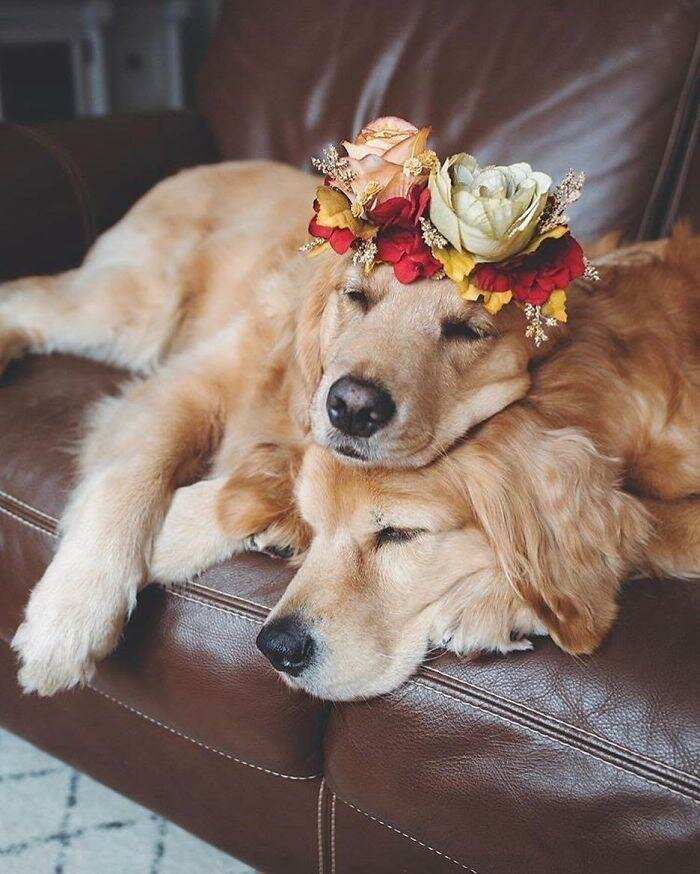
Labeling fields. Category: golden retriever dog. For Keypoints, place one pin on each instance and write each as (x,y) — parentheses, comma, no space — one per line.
(406,560)
(241,350)
(530,525)
(472,553)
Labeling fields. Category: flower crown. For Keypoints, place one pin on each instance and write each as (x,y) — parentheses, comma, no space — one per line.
(499,233)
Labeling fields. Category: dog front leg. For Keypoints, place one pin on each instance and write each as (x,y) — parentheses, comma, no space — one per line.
(192,538)
(140,447)
(214,519)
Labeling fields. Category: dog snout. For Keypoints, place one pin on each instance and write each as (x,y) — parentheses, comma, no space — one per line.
(287,644)
(358,407)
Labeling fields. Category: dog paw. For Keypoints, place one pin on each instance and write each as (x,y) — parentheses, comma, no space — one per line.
(171,562)
(519,644)
(13,344)
(263,542)
(66,630)
(465,642)
(51,661)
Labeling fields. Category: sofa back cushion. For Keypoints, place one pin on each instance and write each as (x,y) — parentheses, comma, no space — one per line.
(602,86)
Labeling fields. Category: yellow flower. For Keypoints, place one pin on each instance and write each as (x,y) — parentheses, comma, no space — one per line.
(335,211)
(493,300)
(555,307)
(457,265)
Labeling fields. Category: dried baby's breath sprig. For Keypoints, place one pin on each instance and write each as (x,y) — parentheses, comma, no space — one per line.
(431,236)
(567,192)
(590,272)
(429,159)
(535,330)
(331,164)
(412,167)
(365,254)
(313,244)
(440,274)
(366,196)
(419,164)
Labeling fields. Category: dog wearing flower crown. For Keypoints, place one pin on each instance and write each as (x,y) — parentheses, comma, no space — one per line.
(450,463)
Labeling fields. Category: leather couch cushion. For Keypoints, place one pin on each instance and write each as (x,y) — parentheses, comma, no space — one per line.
(261,817)
(538,761)
(687,189)
(188,658)
(64,183)
(599,86)
(460,766)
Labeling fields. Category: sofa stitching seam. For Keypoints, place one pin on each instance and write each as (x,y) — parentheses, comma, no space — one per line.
(224,594)
(333,800)
(28,506)
(430,688)
(556,740)
(409,836)
(552,718)
(26,522)
(193,740)
(166,589)
(200,743)
(680,179)
(319,825)
(240,615)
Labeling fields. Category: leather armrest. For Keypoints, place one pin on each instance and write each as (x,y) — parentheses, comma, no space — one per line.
(62,184)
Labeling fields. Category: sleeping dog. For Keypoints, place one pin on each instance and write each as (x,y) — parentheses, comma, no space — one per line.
(525,528)
(240,351)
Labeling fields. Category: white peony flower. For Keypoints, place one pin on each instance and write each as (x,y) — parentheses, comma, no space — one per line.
(490,212)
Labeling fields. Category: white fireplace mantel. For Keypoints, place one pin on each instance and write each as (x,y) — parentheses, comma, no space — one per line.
(101,34)
(78,24)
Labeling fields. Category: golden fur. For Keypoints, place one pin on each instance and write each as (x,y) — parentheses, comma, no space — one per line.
(530,525)
(234,342)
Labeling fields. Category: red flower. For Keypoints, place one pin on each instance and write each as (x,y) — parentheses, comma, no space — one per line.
(405,249)
(402,211)
(340,238)
(532,278)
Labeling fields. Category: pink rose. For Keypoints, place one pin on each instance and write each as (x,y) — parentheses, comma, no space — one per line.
(390,155)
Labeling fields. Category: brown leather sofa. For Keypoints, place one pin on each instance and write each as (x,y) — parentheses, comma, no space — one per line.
(532,763)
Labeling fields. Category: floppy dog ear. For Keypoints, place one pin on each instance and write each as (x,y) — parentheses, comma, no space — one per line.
(563,533)
(308,327)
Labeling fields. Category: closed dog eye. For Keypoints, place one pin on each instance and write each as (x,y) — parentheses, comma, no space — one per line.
(358,297)
(453,329)
(396,535)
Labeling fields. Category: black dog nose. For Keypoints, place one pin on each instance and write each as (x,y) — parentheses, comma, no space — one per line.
(357,407)
(286,644)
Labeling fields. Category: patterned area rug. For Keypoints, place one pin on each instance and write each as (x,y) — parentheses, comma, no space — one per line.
(54,820)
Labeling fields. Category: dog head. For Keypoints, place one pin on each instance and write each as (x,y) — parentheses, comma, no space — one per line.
(474,552)
(357,617)
(397,373)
